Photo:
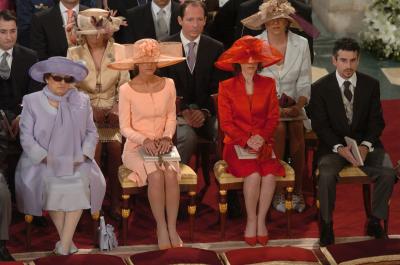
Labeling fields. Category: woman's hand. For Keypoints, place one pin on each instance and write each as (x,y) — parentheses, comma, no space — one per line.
(293,111)
(164,145)
(99,116)
(150,147)
(255,142)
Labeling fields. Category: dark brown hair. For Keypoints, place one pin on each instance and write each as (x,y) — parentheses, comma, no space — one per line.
(8,15)
(187,3)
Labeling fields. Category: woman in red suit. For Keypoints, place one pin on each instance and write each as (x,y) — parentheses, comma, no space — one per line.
(248,115)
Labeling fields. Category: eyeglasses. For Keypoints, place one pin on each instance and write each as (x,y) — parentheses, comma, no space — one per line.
(67,79)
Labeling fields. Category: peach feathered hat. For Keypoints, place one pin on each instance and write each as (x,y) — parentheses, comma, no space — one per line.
(146,51)
(269,10)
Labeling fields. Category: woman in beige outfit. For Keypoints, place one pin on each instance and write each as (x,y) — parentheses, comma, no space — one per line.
(96,50)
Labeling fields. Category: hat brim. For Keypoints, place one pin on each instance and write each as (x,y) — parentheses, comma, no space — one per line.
(58,65)
(93,32)
(161,61)
(256,21)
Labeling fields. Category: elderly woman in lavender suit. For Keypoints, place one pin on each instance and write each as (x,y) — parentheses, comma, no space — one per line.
(57,171)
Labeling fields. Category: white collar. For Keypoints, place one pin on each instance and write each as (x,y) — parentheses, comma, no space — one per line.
(63,9)
(185,41)
(352,79)
(156,8)
(10,52)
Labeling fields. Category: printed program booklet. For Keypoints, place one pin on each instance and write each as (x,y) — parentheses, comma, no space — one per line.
(354,149)
(173,155)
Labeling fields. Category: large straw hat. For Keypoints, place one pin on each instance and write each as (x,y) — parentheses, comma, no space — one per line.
(248,49)
(97,21)
(269,10)
(58,65)
(146,51)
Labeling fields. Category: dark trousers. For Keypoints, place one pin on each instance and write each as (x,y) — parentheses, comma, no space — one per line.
(377,166)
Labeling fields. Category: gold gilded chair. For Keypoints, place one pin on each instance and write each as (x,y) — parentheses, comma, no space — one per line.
(353,175)
(188,183)
(227,181)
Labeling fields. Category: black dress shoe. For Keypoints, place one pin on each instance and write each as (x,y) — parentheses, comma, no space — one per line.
(327,237)
(375,229)
(40,221)
(4,254)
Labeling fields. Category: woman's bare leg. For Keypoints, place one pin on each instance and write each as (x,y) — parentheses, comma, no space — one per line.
(251,191)
(172,205)
(267,190)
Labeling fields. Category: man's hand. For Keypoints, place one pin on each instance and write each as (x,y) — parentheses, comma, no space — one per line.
(363,151)
(194,118)
(15,126)
(344,151)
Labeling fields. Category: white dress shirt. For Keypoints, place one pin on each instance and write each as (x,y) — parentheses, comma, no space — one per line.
(64,13)
(155,9)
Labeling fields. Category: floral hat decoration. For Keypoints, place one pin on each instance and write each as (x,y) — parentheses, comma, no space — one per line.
(94,21)
(146,51)
(269,10)
(248,49)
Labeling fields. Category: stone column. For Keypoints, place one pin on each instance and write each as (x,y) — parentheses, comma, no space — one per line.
(341,17)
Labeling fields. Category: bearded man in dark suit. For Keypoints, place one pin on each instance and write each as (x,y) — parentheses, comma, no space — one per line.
(347,103)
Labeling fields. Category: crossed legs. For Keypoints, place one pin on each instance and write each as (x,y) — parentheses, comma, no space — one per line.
(258,191)
(163,193)
(65,223)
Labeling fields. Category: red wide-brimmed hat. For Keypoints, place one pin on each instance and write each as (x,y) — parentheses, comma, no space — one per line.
(248,49)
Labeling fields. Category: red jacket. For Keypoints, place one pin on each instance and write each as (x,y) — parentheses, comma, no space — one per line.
(237,120)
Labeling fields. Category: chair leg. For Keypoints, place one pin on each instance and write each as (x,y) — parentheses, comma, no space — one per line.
(95,219)
(223,208)
(288,207)
(192,212)
(205,164)
(367,199)
(125,212)
(28,221)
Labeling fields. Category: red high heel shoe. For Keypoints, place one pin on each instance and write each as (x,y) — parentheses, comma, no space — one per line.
(251,241)
(262,240)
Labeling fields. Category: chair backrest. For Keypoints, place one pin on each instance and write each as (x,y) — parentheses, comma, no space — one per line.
(221,135)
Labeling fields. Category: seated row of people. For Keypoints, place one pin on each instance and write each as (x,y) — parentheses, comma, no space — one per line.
(247,53)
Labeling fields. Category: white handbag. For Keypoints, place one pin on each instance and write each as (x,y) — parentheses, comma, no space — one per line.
(107,238)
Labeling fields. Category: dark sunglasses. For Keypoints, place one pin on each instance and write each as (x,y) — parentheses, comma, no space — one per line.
(67,79)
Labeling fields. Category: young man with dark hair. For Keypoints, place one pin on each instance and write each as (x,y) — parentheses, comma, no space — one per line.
(347,103)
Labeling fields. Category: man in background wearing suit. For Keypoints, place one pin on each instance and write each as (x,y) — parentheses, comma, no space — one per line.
(195,79)
(15,61)
(48,32)
(157,20)
(347,103)
(25,10)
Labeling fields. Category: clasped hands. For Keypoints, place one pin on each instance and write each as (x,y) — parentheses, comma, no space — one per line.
(158,146)
(345,152)
(194,117)
(104,117)
(290,112)
(255,142)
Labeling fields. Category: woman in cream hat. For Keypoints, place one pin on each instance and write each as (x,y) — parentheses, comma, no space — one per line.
(95,28)
(57,171)
(147,117)
(293,83)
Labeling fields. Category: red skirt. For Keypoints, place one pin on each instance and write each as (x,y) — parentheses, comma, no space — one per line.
(244,167)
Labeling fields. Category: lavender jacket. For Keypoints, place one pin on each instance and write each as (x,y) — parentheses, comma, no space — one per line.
(37,121)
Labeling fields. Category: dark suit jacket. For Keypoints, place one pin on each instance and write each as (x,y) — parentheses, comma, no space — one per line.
(141,24)
(22,84)
(206,75)
(328,116)
(48,34)
(250,7)
(122,6)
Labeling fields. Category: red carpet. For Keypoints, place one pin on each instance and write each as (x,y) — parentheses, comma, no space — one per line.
(349,215)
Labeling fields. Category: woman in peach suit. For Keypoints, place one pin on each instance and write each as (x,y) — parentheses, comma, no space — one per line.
(248,115)
(147,117)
